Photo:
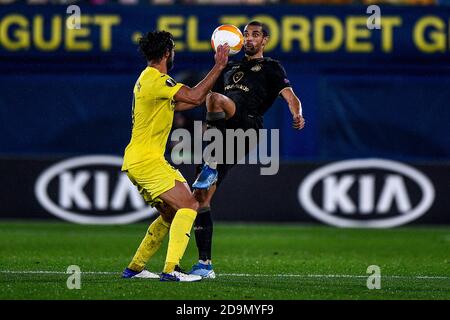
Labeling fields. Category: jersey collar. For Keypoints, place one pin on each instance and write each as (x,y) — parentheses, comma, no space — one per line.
(245,59)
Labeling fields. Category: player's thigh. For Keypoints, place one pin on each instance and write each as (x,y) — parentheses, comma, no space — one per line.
(179,196)
(216,102)
(155,178)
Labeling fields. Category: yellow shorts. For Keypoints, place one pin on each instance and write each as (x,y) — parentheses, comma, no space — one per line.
(153,178)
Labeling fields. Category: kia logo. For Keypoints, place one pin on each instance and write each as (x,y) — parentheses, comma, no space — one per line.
(368,193)
(91,190)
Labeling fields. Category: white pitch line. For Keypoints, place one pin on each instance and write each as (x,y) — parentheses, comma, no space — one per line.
(239,274)
(328,276)
(52,272)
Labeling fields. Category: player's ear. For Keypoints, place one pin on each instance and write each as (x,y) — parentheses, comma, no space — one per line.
(265,40)
(167,54)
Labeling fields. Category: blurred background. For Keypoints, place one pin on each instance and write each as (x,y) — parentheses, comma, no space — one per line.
(380,94)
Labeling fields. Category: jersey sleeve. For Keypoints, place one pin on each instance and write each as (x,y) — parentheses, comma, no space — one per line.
(278,78)
(166,87)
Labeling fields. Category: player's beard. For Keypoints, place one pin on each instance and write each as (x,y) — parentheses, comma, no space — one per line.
(250,50)
(169,63)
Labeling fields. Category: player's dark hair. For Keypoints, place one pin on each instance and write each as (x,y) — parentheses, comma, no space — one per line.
(263,26)
(155,44)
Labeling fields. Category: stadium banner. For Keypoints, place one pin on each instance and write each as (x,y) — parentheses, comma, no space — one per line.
(363,90)
(357,193)
(105,37)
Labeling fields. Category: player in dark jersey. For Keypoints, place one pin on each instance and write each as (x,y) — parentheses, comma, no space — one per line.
(242,94)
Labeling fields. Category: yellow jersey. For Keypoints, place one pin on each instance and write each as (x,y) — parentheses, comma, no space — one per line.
(152,117)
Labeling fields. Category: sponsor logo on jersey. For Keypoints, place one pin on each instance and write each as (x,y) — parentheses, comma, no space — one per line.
(171,83)
(238,76)
(237,86)
(256,68)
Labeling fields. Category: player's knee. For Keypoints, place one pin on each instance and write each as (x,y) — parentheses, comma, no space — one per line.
(166,212)
(214,102)
(191,203)
(204,203)
(194,205)
(167,217)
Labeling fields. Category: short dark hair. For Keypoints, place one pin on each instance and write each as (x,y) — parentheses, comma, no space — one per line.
(155,44)
(263,26)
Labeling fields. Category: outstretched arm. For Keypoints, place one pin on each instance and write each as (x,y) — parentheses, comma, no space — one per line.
(191,97)
(182,106)
(295,106)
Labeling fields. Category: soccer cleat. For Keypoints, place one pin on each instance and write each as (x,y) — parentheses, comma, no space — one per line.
(207,177)
(144,274)
(179,277)
(203,270)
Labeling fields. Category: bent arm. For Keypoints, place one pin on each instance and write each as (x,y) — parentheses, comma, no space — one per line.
(197,95)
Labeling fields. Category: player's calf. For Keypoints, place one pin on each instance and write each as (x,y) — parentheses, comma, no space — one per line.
(204,196)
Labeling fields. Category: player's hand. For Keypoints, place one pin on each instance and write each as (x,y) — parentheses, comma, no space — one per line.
(298,122)
(221,56)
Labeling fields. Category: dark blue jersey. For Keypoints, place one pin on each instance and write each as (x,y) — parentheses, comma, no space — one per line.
(253,85)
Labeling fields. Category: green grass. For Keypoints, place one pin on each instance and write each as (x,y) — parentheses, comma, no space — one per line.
(282,262)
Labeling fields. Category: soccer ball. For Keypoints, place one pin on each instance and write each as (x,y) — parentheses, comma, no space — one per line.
(227,33)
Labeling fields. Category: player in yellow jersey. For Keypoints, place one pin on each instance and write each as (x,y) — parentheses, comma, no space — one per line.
(156,97)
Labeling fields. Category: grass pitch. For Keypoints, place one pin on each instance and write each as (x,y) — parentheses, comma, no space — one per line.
(252,261)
